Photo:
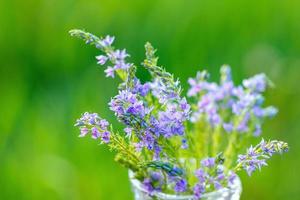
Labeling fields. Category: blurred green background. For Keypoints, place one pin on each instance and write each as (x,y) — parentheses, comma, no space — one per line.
(47,79)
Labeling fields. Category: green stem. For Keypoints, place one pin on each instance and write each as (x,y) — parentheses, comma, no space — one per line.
(216,140)
(125,149)
(230,151)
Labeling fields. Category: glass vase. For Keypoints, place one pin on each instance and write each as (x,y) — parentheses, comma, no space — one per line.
(232,193)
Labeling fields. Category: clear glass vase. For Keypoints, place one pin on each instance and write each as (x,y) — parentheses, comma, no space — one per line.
(232,193)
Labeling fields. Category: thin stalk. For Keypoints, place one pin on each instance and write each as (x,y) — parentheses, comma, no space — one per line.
(230,150)
(216,140)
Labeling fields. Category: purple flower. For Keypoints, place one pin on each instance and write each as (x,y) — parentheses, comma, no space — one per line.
(138,146)
(107,41)
(201,175)
(195,88)
(120,54)
(83,131)
(128,131)
(214,119)
(122,65)
(231,178)
(95,133)
(110,72)
(238,92)
(243,125)
(184,144)
(228,127)
(148,140)
(243,103)
(180,186)
(105,137)
(185,107)
(199,190)
(101,59)
(103,123)
(258,111)
(198,84)
(157,151)
(144,89)
(153,183)
(220,177)
(256,83)
(257,131)
(208,162)
(140,89)
(147,185)
(217,185)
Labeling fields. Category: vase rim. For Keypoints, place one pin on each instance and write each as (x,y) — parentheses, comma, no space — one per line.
(136,183)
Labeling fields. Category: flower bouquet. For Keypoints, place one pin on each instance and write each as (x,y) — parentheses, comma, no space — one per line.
(176,148)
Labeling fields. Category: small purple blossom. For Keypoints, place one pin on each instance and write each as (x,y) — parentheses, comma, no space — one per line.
(180,186)
(231,178)
(148,140)
(199,190)
(228,127)
(105,137)
(101,59)
(153,183)
(138,146)
(201,175)
(120,54)
(122,65)
(128,131)
(144,89)
(198,84)
(147,184)
(83,131)
(258,111)
(184,144)
(95,133)
(208,162)
(256,83)
(217,185)
(243,125)
(110,72)
(257,131)
(103,123)
(157,151)
(107,41)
